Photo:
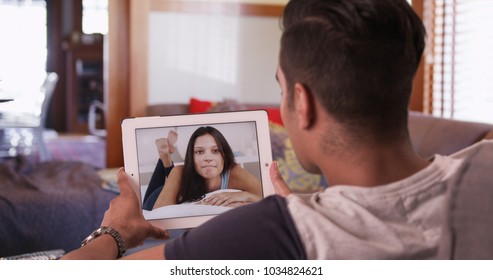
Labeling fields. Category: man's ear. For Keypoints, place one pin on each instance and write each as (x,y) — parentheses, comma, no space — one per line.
(304,106)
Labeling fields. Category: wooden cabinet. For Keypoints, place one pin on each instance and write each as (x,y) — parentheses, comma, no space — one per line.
(84,83)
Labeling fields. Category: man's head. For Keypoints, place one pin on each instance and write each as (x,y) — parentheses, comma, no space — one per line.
(357,58)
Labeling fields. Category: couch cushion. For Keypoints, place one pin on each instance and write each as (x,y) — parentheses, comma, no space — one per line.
(291,170)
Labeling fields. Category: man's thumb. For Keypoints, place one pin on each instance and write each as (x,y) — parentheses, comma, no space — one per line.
(280,187)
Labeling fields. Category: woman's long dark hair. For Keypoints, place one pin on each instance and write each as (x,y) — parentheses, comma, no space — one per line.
(192,185)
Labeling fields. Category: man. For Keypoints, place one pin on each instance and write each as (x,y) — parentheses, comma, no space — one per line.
(345,71)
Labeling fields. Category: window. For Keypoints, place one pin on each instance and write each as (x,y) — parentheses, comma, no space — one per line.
(459,59)
(23,45)
(95,16)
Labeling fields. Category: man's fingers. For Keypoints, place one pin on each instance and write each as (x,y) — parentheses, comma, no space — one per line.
(158,233)
(280,186)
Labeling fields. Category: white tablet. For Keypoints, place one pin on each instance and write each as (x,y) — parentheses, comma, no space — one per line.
(219,161)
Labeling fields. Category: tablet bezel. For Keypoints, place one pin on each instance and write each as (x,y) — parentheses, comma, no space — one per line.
(130,150)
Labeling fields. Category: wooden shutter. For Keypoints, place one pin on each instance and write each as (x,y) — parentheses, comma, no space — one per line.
(458,59)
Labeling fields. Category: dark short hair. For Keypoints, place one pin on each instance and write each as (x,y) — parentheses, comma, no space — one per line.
(192,185)
(358,58)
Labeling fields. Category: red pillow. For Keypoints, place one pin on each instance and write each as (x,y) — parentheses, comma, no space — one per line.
(202,106)
(199,106)
(274,115)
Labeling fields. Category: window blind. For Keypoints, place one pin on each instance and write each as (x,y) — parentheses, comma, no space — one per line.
(459,59)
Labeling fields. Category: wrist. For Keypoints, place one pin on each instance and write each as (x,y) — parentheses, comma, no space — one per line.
(107,231)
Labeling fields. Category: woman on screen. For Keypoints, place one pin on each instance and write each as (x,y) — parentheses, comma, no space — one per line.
(209,166)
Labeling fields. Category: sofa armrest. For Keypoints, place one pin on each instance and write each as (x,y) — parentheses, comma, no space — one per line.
(489,135)
(432,135)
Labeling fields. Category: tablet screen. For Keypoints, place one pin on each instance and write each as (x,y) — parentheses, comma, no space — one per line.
(188,171)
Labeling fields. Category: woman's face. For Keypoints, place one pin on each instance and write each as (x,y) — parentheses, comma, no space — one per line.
(208,161)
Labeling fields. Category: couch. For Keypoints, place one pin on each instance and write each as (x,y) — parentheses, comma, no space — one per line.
(54,205)
(432,135)
(51,205)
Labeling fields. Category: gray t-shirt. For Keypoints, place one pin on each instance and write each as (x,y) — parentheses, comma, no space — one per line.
(401,220)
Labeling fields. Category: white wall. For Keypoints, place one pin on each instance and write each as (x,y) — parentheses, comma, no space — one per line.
(213,57)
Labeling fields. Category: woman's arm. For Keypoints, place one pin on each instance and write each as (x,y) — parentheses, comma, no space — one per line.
(240,179)
(170,189)
(232,199)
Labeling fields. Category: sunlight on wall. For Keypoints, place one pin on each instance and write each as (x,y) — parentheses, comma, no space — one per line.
(200,45)
(212,57)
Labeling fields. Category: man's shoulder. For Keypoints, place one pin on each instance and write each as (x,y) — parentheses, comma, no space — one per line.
(484,148)
(470,196)
(477,159)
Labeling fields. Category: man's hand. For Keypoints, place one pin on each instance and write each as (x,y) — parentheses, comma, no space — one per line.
(125,215)
(280,185)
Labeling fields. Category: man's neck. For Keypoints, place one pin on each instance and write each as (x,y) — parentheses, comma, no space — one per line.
(373,167)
